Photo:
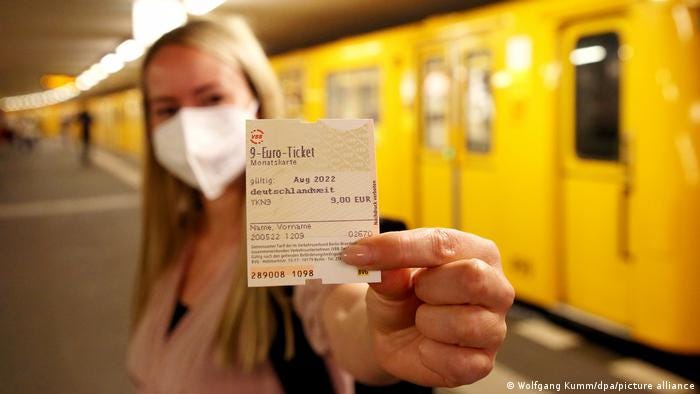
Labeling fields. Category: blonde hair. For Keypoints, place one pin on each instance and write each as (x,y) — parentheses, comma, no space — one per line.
(171,208)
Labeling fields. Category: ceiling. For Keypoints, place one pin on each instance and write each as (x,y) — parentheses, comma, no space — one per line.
(67,36)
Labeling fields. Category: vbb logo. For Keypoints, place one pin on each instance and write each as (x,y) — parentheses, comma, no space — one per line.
(256,136)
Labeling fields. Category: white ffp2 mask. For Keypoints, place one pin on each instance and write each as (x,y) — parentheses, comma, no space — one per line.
(204,146)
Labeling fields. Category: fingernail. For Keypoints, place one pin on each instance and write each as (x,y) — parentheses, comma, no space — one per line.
(357,255)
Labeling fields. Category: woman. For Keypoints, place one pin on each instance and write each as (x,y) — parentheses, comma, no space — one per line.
(437,318)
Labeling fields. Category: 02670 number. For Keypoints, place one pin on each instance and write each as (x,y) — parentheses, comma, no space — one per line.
(359,233)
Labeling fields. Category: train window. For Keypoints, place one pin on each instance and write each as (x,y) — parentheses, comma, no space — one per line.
(436,88)
(292,82)
(597,96)
(353,94)
(478,103)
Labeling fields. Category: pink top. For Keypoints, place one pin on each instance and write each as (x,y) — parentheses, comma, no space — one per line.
(183,362)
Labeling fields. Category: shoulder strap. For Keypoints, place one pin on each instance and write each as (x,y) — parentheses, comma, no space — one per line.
(306,371)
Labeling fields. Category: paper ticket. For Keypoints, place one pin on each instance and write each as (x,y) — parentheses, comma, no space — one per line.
(311,190)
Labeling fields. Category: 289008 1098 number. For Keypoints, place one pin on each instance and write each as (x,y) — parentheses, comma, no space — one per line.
(275,274)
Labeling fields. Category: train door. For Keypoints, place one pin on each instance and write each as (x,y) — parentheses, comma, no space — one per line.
(436,154)
(595,181)
(456,119)
(476,195)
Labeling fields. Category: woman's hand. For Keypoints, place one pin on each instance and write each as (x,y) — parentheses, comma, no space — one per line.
(438,316)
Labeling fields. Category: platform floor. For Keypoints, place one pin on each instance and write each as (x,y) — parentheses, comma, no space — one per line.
(68,241)
(68,249)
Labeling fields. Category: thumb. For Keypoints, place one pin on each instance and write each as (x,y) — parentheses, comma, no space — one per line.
(392,303)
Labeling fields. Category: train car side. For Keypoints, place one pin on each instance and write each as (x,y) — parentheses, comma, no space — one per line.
(568,132)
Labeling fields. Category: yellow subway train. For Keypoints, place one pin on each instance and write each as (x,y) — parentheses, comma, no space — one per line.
(566,131)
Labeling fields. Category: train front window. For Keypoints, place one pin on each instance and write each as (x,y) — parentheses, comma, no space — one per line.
(436,88)
(597,96)
(353,94)
(478,103)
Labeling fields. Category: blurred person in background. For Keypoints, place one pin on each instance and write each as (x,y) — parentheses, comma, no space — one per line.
(85,120)
(436,319)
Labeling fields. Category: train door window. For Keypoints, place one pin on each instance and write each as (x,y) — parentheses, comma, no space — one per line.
(436,88)
(353,94)
(292,82)
(597,96)
(478,103)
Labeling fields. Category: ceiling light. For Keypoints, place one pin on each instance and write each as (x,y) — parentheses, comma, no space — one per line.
(98,71)
(129,50)
(111,63)
(84,84)
(60,94)
(72,90)
(201,7)
(53,96)
(67,92)
(86,79)
(153,18)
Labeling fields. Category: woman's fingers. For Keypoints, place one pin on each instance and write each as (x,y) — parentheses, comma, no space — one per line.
(395,285)
(461,325)
(392,303)
(438,316)
(465,282)
(424,247)
(455,365)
